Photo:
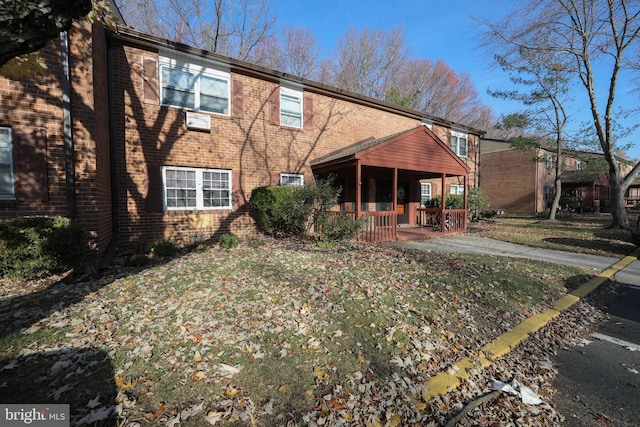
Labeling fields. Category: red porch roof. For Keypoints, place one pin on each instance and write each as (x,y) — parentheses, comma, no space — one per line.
(417,149)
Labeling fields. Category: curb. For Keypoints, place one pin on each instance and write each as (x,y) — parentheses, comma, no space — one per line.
(442,383)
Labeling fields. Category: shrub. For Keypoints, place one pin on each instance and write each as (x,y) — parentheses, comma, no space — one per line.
(453,201)
(164,248)
(291,211)
(229,241)
(39,246)
(477,204)
(342,227)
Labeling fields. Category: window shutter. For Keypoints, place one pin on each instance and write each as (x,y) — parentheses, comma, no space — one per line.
(154,201)
(236,98)
(274,107)
(30,163)
(308,112)
(150,83)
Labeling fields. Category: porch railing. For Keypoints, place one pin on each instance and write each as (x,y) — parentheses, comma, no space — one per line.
(454,219)
(380,227)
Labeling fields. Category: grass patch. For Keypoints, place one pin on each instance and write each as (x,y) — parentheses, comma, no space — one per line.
(582,233)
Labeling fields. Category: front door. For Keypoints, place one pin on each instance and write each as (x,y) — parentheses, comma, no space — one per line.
(402,207)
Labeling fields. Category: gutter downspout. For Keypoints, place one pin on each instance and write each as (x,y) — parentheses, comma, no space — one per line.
(67,126)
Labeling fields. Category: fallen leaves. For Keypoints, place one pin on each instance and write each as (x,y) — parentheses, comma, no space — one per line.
(240,336)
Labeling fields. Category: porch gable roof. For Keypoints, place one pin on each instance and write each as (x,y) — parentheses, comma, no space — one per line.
(417,149)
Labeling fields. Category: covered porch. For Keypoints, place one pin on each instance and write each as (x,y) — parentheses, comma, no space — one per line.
(386,180)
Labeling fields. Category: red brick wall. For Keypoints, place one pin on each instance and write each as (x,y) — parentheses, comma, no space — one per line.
(508,179)
(149,136)
(35,104)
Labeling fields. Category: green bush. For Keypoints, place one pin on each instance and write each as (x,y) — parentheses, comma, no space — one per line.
(229,241)
(477,204)
(453,201)
(39,246)
(292,211)
(164,248)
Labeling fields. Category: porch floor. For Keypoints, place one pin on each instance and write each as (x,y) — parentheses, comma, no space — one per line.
(405,234)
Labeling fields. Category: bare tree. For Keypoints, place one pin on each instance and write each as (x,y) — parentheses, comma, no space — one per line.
(228,27)
(596,36)
(297,52)
(366,61)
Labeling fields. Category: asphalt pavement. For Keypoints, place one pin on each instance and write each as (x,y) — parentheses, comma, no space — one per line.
(598,383)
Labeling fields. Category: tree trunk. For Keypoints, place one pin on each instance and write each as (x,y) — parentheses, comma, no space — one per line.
(620,219)
(556,198)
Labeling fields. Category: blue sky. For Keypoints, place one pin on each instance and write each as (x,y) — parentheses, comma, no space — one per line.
(434,29)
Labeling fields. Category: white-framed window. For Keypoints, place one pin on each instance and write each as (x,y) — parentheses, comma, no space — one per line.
(196,188)
(291,107)
(6,164)
(456,189)
(292,179)
(578,165)
(459,143)
(195,87)
(425,194)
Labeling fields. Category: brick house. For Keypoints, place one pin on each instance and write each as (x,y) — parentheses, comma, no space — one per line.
(161,140)
(522,181)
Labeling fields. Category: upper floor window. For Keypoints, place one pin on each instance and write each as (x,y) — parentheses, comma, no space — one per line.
(578,165)
(196,188)
(425,194)
(291,107)
(292,179)
(459,143)
(193,86)
(6,164)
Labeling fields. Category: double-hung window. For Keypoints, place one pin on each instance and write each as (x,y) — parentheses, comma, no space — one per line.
(425,194)
(196,188)
(194,87)
(457,189)
(6,165)
(291,107)
(292,179)
(459,143)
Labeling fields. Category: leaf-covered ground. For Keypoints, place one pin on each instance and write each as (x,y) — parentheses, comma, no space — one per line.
(284,333)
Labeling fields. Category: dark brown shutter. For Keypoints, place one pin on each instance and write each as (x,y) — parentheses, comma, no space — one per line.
(154,200)
(274,107)
(150,84)
(30,162)
(236,98)
(308,112)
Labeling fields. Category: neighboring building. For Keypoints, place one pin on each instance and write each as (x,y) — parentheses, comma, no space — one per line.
(163,140)
(521,182)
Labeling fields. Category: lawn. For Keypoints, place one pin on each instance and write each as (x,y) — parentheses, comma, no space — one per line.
(582,233)
(278,333)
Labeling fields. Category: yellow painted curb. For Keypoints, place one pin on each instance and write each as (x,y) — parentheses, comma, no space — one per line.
(442,383)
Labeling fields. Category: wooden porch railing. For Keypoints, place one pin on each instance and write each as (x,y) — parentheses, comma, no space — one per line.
(380,227)
(455,220)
